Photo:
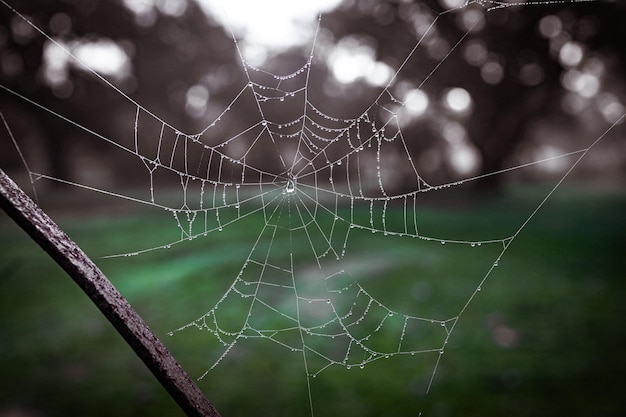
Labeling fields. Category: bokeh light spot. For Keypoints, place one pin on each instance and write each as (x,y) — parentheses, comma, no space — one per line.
(458,100)
(550,26)
(571,54)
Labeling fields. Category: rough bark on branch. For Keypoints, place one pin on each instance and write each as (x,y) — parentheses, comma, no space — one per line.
(111,303)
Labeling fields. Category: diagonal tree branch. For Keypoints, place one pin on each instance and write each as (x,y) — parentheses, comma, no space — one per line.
(95,284)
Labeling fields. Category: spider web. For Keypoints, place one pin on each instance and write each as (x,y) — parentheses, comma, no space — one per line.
(308,183)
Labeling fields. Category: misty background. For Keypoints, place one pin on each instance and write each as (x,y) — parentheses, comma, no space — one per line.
(509,86)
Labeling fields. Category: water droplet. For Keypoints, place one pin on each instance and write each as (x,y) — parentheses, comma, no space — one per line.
(443,242)
(386,356)
(348,366)
(362,366)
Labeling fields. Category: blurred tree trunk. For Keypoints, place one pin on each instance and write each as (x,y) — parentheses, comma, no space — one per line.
(498,138)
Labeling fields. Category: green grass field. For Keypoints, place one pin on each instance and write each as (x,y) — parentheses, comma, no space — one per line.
(543,337)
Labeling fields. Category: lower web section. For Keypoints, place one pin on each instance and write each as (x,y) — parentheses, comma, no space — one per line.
(305,294)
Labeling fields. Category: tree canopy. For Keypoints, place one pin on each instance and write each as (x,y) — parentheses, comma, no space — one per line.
(514,66)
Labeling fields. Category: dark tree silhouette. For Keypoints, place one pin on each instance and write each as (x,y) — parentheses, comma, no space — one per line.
(169,55)
(524,84)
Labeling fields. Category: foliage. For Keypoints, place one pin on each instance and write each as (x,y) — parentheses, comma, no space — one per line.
(513,72)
